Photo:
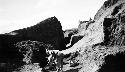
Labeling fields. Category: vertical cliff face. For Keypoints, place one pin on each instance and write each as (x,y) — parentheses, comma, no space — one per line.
(112,16)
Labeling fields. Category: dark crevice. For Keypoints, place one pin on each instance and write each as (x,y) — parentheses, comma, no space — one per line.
(116,9)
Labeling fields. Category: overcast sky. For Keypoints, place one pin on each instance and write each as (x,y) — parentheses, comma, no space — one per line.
(16,14)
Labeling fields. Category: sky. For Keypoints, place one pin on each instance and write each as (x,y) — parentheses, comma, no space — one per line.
(18,14)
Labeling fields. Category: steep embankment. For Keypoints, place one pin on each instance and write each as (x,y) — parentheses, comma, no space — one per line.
(102,42)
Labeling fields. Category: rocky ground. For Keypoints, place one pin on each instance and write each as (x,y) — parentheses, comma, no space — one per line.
(97,45)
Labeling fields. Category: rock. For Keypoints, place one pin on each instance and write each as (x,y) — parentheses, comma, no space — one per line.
(48,31)
(83,25)
(107,8)
(99,42)
(75,39)
(9,54)
(113,23)
(68,34)
(113,63)
(114,32)
(112,14)
(107,30)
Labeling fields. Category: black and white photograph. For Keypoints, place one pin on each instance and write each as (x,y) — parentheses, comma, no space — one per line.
(62,35)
